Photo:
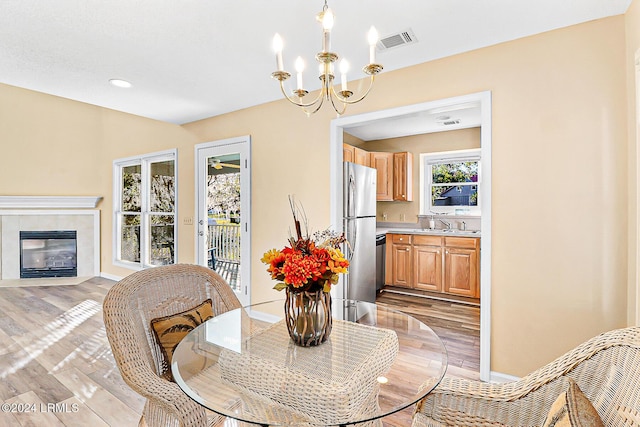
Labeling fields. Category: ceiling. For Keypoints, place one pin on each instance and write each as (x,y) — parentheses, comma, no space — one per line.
(193,59)
(460,116)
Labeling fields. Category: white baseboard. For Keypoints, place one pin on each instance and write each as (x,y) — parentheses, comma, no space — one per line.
(260,315)
(498,377)
(110,276)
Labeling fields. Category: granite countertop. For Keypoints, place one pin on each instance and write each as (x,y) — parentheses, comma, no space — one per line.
(432,232)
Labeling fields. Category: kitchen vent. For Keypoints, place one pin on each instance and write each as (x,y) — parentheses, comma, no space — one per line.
(396,40)
(447,120)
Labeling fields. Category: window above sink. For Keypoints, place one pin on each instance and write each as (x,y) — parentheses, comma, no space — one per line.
(451,183)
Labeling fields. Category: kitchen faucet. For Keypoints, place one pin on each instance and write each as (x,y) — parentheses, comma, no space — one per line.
(447,224)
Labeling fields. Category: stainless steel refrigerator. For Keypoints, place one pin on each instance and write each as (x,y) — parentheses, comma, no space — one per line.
(359,216)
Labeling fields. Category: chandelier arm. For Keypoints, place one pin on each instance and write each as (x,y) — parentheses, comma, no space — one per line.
(308,112)
(333,104)
(300,104)
(349,101)
(339,99)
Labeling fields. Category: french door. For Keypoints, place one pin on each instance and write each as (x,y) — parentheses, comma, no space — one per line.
(223,226)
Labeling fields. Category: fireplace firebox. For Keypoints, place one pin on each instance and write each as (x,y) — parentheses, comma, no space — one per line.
(48,254)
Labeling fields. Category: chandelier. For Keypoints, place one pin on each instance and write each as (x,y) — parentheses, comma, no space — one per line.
(338,99)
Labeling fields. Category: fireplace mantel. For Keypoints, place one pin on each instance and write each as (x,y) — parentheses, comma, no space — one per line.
(49,202)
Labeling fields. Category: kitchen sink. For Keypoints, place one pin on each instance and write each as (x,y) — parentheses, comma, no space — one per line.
(466,231)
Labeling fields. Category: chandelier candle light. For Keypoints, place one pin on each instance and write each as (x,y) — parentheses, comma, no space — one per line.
(326,58)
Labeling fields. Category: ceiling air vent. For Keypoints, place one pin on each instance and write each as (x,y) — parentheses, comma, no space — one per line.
(447,120)
(396,40)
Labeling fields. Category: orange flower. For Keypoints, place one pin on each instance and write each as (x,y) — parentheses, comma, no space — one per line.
(274,259)
(307,264)
(322,257)
(298,269)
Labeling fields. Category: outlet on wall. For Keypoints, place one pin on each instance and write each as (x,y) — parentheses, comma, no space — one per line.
(402,217)
(187,220)
(384,216)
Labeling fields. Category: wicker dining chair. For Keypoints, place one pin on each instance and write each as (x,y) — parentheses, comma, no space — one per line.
(129,307)
(606,369)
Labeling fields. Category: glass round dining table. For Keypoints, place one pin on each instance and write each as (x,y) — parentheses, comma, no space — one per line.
(242,364)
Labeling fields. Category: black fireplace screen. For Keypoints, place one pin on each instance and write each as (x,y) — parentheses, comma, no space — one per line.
(48,254)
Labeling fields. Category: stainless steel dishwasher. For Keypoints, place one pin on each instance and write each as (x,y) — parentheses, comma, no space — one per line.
(381,240)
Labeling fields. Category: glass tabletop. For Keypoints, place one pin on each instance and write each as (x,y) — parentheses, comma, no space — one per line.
(242,364)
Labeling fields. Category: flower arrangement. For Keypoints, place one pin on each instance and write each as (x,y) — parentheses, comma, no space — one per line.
(309,263)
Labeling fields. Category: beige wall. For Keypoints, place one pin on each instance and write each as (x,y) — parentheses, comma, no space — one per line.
(55,146)
(632,20)
(462,139)
(560,174)
(125,135)
(559,122)
(50,146)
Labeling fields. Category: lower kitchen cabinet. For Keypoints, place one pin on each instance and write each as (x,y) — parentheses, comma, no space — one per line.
(427,261)
(398,260)
(461,272)
(461,276)
(434,263)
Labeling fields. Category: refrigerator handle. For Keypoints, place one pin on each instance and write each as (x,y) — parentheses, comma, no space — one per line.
(351,186)
(352,237)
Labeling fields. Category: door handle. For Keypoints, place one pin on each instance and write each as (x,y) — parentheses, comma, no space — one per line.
(200,233)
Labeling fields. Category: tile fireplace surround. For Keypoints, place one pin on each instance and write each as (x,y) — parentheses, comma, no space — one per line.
(45,213)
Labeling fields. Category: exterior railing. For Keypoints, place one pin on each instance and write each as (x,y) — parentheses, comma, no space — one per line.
(224,242)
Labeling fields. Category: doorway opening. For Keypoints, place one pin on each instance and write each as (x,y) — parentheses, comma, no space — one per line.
(223,194)
(395,117)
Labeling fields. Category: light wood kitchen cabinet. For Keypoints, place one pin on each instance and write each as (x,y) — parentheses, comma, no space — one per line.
(383,164)
(403,177)
(361,157)
(348,153)
(427,262)
(398,260)
(434,263)
(355,155)
(461,275)
(394,179)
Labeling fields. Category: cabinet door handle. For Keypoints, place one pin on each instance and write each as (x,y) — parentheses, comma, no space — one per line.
(447,252)
(407,249)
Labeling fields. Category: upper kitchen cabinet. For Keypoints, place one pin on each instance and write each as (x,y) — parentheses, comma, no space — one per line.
(403,177)
(383,164)
(361,157)
(348,153)
(394,177)
(355,155)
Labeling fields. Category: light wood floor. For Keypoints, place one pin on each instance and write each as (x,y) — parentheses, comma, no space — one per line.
(55,361)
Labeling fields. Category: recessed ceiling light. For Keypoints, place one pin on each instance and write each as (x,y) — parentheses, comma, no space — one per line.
(120,83)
